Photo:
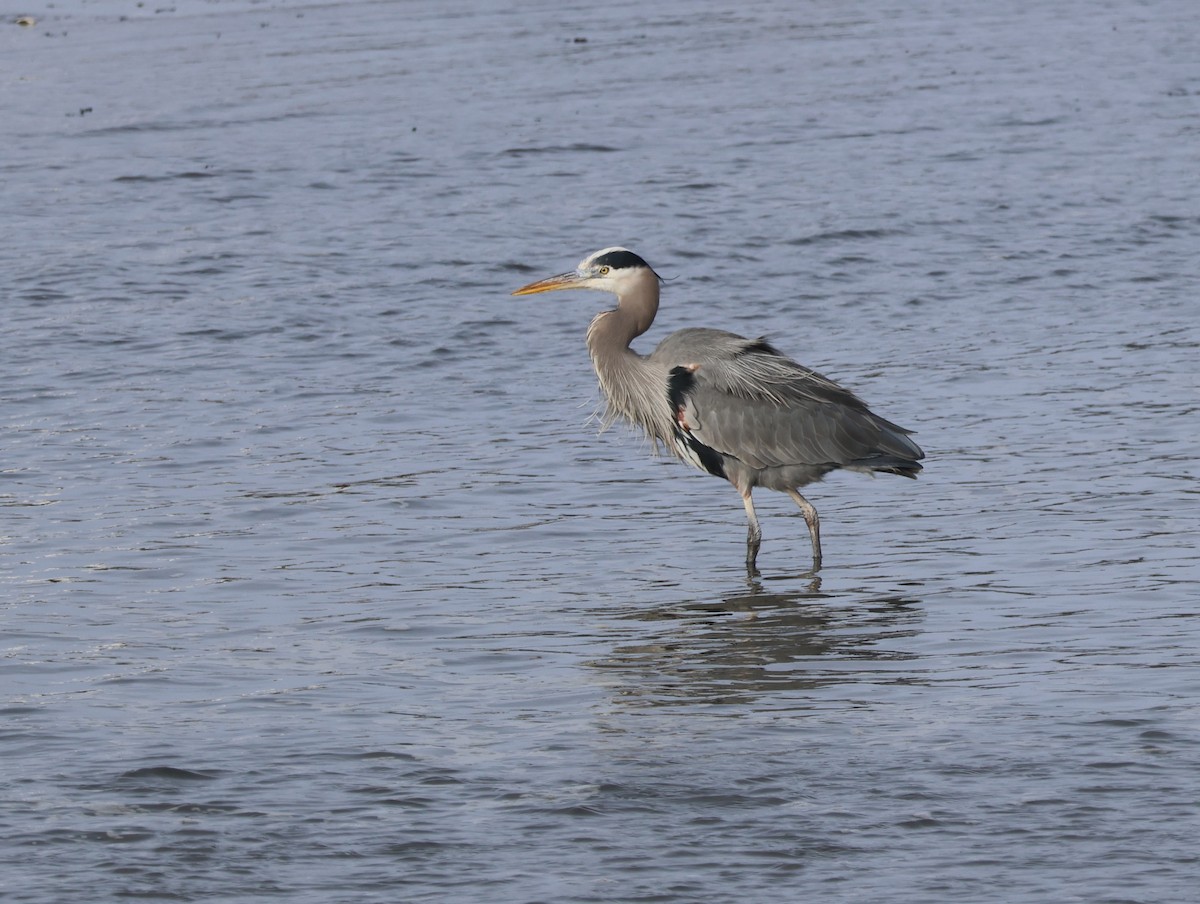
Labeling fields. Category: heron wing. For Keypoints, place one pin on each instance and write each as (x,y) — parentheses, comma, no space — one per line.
(742,398)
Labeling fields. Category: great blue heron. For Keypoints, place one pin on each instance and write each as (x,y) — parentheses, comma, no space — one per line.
(728,405)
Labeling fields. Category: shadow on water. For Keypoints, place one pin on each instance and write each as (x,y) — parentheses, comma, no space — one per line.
(757,643)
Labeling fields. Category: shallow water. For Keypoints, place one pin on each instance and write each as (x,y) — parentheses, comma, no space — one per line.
(320,585)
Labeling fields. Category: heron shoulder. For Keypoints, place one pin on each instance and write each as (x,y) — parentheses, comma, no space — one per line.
(745,368)
(698,344)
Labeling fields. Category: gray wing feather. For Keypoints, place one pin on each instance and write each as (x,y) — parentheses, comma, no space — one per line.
(765,434)
(748,401)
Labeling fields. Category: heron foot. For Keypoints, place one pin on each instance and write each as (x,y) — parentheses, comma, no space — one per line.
(814,525)
(753,535)
(753,542)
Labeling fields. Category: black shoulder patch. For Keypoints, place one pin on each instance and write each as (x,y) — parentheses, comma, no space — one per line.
(679,384)
(620,260)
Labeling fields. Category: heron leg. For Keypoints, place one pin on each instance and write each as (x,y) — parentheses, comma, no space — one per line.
(753,535)
(813,522)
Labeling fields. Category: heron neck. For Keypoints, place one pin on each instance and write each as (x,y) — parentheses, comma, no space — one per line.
(633,316)
(633,385)
(610,333)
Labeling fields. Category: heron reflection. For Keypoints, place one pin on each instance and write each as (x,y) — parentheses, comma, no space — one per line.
(759,643)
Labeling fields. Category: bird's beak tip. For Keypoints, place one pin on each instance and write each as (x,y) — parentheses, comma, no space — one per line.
(563,281)
(531,289)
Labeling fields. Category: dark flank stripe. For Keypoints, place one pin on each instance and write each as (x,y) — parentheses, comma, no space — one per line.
(713,463)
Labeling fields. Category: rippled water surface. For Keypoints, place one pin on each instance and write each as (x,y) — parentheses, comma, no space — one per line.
(319,583)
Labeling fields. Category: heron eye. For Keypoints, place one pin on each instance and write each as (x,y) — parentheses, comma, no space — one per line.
(604,271)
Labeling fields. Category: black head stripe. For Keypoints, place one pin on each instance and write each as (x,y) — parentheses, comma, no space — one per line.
(619,260)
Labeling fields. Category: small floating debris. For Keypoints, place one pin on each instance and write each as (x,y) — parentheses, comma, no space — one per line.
(25,21)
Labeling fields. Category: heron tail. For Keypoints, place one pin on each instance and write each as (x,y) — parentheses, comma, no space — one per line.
(894,453)
(888,464)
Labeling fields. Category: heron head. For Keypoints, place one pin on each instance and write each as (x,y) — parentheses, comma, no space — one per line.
(607,270)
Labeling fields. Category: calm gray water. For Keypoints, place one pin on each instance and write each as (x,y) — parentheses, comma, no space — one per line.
(319,584)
